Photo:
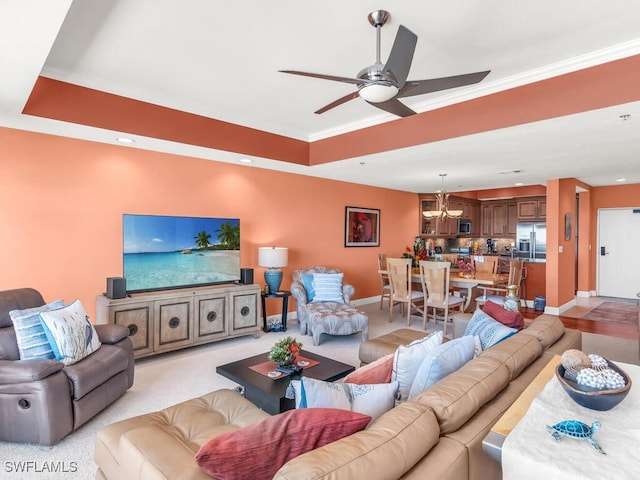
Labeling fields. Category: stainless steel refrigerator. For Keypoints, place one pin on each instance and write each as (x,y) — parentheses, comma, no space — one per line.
(531,238)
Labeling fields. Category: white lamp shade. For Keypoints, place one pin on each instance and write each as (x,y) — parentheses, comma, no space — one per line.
(273,257)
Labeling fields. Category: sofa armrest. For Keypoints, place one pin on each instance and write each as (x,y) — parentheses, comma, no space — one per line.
(347,292)
(111,333)
(25,371)
(299,293)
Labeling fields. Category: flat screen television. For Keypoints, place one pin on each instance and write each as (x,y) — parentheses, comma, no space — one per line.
(165,252)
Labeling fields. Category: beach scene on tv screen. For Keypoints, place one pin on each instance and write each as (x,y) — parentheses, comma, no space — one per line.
(165,252)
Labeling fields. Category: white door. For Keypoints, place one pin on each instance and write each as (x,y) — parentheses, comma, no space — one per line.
(618,252)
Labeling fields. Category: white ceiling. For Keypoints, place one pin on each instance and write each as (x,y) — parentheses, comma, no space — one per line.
(220,59)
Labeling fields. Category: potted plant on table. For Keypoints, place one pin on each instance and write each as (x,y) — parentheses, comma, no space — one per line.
(285,351)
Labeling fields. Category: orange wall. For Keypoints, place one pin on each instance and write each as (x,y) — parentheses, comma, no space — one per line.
(62,200)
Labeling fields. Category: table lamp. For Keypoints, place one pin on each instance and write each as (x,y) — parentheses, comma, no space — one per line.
(272,258)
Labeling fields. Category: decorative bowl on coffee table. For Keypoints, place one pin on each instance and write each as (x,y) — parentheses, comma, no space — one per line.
(595,399)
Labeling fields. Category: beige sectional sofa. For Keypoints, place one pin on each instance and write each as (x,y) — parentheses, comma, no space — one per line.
(437,434)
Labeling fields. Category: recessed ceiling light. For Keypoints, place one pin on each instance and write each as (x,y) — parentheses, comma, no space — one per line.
(518,184)
(625,117)
(125,140)
(621,179)
(246,160)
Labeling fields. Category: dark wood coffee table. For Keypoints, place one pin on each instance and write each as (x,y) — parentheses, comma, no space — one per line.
(268,394)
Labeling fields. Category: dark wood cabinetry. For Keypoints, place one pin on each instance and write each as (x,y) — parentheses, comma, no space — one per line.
(532,208)
(448,227)
(499,219)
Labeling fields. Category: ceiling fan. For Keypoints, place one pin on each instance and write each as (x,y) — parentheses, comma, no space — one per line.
(381,85)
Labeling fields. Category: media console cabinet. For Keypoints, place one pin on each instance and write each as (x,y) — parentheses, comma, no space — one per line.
(173,319)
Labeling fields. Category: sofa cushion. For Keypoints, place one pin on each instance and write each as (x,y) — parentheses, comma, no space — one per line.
(328,287)
(378,371)
(516,352)
(70,332)
(388,448)
(259,450)
(489,330)
(94,370)
(504,316)
(441,361)
(547,329)
(456,398)
(407,361)
(30,335)
(372,399)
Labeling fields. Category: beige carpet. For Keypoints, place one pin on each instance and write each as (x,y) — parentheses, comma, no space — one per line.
(173,377)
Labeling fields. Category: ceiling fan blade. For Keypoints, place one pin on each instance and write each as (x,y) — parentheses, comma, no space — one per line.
(337,102)
(420,87)
(395,107)
(399,61)
(355,81)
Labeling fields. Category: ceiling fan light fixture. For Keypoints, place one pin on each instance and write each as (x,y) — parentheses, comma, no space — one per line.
(378,92)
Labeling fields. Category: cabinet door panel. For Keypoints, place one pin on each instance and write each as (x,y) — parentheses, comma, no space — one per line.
(137,318)
(173,324)
(212,317)
(245,312)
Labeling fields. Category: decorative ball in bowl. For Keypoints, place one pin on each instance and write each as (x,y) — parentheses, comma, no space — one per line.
(592,397)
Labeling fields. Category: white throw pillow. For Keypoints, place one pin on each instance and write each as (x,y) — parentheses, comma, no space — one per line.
(407,361)
(327,287)
(372,400)
(70,333)
(30,336)
(441,361)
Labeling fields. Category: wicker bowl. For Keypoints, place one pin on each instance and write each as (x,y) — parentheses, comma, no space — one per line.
(593,398)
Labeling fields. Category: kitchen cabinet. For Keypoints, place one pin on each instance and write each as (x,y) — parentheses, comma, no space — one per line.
(498,219)
(532,208)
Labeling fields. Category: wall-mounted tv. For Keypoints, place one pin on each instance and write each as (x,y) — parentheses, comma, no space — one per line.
(165,252)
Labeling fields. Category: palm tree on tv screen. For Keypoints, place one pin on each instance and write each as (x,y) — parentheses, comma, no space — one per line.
(229,236)
(202,239)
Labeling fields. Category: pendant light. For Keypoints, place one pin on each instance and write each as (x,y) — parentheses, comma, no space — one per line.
(442,197)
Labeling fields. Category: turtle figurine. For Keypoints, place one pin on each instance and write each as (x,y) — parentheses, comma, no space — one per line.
(576,429)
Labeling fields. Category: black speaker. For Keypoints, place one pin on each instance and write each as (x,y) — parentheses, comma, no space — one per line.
(246,276)
(116,287)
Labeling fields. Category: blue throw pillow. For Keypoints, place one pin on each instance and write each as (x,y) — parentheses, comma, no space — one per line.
(30,336)
(489,330)
(307,281)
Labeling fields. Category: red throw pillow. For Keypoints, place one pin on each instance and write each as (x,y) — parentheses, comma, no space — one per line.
(259,450)
(378,371)
(506,317)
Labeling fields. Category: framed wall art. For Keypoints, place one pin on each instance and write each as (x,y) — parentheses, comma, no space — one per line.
(361,227)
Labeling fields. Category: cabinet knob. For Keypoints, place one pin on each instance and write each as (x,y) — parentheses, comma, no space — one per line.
(244,311)
(174,322)
(211,316)
(133,329)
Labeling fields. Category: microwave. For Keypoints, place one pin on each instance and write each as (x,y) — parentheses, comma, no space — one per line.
(464,226)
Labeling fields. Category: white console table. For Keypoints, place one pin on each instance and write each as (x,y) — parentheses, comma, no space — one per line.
(530,452)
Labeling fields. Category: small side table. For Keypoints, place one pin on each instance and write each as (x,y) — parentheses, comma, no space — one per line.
(284,295)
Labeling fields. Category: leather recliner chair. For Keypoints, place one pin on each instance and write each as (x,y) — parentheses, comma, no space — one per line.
(42,401)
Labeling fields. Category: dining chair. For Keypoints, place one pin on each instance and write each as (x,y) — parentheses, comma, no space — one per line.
(399,270)
(434,277)
(485,264)
(497,294)
(384,279)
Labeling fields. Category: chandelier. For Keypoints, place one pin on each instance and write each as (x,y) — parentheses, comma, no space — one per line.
(442,198)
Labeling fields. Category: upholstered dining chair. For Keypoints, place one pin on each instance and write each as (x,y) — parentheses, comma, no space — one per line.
(384,279)
(399,270)
(485,264)
(497,294)
(434,277)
